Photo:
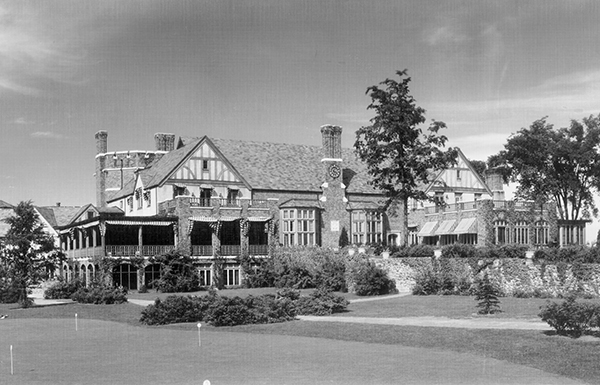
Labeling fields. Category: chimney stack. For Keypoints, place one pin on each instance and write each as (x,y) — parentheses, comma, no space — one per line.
(494,181)
(332,141)
(164,142)
(101,150)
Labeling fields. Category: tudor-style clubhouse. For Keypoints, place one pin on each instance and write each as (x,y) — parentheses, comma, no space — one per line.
(211,197)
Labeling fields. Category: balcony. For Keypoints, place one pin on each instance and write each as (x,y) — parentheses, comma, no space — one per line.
(132,250)
(258,249)
(202,250)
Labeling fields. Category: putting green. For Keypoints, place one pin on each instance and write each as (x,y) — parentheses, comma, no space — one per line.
(50,351)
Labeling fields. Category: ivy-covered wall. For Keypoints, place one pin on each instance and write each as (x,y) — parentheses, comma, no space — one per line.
(512,276)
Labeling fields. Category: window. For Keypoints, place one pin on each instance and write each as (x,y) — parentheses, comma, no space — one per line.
(232,195)
(458,197)
(542,233)
(205,278)
(148,198)
(366,227)
(204,165)
(457,174)
(521,233)
(130,203)
(138,198)
(500,233)
(298,227)
(205,195)
(232,276)
(90,214)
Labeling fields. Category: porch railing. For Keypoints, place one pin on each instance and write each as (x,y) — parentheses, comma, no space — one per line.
(258,249)
(132,250)
(202,250)
(230,250)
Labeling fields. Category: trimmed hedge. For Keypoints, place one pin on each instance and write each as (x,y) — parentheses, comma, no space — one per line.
(225,311)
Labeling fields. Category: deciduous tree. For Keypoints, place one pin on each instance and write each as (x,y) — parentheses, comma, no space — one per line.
(28,252)
(560,164)
(400,156)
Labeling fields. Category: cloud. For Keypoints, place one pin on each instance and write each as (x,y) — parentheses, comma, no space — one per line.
(444,35)
(23,121)
(29,51)
(46,135)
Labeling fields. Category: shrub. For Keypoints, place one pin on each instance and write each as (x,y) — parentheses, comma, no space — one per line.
(459,250)
(100,294)
(320,302)
(175,309)
(224,311)
(487,295)
(415,251)
(9,293)
(570,317)
(62,289)
(368,279)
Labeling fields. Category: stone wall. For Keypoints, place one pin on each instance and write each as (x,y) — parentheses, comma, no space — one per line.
(513,276)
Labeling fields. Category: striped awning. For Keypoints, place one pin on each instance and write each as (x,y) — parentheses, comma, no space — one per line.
(139,223)
(214,219)
(466,226)
(445,226)
(427,229)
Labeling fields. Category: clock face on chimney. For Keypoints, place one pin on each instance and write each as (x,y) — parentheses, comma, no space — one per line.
(335,171)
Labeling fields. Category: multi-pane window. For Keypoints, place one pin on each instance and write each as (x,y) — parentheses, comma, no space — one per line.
(521,233)
(232,276)
(366,227)
(500,233)
(542,233)
(298,227)
(138,198)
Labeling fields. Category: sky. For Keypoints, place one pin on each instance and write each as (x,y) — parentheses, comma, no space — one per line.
(274,71)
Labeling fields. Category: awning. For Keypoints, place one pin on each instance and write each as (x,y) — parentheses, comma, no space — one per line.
(466,226)
(427,229)
(258,219)
(445,227)
(204,219)
(140,223)
(214,219)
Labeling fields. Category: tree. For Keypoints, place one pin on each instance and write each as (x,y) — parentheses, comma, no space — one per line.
(29,253)
(487,295)
(400,157)
(559,164)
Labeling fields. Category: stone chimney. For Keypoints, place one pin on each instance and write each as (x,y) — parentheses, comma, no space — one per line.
(332,141)
(164,142)
(494,181)
(101,149)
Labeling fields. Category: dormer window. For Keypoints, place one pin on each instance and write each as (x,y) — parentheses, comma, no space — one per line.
(138,197)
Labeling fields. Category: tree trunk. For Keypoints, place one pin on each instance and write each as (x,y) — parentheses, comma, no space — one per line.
(403,222)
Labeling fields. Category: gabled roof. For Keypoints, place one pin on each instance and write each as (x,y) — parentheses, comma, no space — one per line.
(5,205)
(262,165)
(58,215)
(462,157)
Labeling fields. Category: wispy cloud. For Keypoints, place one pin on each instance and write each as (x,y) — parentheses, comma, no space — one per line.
(444,35)
(23,121)
(28,51)
(46,135)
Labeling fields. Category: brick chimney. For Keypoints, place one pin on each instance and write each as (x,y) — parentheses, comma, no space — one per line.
(332,142)
(101,149)
(335,217)
(164,142)
(494,181)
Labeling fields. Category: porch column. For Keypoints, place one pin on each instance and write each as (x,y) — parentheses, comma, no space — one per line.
(140,241)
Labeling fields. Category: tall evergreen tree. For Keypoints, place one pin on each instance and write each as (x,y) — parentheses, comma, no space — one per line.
(487,295)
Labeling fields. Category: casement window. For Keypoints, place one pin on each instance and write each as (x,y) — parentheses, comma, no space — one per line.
(232,276)
(521,233)
(542,233)
(367,227)
(298,227)
(148,198)
(205,165)
(130,203)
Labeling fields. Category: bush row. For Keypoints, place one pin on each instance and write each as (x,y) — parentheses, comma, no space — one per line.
(316,267)
(224,311)
(572,318)
(62,289)
(100,294)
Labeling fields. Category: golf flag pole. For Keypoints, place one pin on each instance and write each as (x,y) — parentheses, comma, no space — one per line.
(76,326)
(12,368)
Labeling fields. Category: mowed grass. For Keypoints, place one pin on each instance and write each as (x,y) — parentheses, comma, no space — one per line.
(573,358)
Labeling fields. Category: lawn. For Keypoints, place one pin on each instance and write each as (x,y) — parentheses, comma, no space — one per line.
(573,358)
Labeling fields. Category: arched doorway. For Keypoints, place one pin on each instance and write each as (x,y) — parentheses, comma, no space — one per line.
(84,277)
(151,273)
(125,275)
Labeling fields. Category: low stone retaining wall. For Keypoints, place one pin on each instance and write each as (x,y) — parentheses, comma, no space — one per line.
(513,276)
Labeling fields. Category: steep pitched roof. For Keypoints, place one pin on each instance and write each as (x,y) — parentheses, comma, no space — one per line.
(263,165)
(58,215)
(5,205)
